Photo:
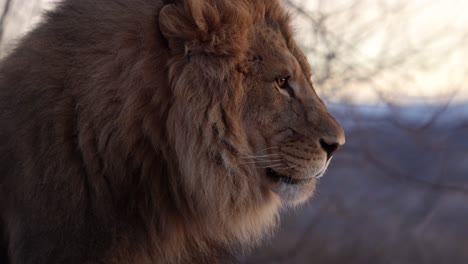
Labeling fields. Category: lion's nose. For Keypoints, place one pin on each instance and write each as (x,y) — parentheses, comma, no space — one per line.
(330,146)
(333,137)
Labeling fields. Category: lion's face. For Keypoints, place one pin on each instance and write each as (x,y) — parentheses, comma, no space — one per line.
(245,122)
(292,135)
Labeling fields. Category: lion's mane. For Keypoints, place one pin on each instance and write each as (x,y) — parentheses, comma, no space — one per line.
(115,149)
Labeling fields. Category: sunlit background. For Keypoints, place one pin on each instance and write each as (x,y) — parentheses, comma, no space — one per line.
(406,51)
(394,73)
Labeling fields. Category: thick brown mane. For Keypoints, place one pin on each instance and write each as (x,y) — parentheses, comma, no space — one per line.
(125,128)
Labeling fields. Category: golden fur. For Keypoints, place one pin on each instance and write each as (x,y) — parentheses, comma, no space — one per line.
(146,131)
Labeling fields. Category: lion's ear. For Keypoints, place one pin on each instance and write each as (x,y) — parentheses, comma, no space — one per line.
(175,27)
(196,25)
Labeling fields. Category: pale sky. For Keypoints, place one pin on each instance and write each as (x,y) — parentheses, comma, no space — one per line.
(445,23)
(444,58)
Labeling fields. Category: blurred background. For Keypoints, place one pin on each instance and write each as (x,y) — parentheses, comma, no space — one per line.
(394,73)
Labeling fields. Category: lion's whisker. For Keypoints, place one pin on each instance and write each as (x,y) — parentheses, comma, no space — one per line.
(269,167)
(272,166)
(264,157)
(263,150)
(267,155)
(258,161)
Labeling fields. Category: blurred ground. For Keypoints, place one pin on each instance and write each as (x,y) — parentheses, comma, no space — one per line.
(396,193)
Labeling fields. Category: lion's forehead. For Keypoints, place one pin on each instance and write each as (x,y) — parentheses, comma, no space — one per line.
(276,47)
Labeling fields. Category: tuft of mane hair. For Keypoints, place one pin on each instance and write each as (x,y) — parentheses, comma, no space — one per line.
(117,146)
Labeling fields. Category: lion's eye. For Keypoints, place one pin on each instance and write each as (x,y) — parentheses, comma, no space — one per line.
(283,84)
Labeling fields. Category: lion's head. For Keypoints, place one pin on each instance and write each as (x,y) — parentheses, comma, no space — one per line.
(249,131)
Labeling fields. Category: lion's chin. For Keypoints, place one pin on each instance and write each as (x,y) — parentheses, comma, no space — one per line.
(292,191)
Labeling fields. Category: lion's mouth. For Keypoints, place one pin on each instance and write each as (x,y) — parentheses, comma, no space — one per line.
(278,177)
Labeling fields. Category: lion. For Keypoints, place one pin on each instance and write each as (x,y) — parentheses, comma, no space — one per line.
(151,131)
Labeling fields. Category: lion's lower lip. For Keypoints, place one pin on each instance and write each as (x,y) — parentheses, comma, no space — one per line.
(272,174)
